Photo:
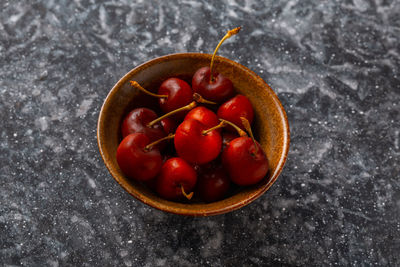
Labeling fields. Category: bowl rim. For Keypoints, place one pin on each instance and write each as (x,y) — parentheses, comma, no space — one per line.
(189,212)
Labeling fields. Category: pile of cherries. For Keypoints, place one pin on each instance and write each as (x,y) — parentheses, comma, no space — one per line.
(211,148)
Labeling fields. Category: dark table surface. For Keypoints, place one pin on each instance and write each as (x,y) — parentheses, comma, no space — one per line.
(333,64)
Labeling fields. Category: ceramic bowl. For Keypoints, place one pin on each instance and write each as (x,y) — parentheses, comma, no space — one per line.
(270,126)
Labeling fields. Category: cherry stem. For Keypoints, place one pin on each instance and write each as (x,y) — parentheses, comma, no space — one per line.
(150,146)
(199,99)
(187,107)
(237,128)
(227,35)
(220,125)
(188,196)
(247,126)
(139,87)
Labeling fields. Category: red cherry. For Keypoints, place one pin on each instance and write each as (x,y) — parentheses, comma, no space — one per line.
(137,122)
(218,90)
(152,184)
(135,160)
(212,85)
(245,163)
(179,94)
(194,144)
(203,115)
(169,125)
(227,137)
(213,184)
(173,93)
(176,178)
(233,109)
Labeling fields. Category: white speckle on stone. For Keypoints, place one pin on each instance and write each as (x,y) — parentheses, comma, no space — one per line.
(84,107)
(353,84)
(36,92)
(185,39)
(127,263)
(91,183)
(161,262)
(199,43)
(52,263)
(160,24)
(213,244)
(123,253)
(42,123)
(257,32)
(74,219)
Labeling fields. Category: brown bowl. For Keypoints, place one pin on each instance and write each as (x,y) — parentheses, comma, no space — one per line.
(270,126)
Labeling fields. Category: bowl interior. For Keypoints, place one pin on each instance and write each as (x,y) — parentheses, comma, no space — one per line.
(270,125)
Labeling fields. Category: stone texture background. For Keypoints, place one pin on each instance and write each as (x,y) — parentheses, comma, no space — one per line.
(334,65)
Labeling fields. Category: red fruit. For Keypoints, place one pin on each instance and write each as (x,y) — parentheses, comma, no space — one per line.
(219,89)
(175,174)
(227,137)
(213,184)
(215,164)
(245,164)
(179,94)
(203,115)
(195,146)
(233,109)
(211,85)
(136,122)
(169,125)
(135,160)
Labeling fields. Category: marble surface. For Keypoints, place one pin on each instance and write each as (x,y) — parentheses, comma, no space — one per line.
(335,67)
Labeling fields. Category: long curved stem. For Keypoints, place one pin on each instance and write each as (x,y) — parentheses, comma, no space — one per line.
(220,125)
(229,34)
(199,99)
(247,126)
(187,107)
(150,146)
(139,87)
(224,123)
(237,128)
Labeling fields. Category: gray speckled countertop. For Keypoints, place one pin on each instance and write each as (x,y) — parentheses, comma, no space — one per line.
(335,67)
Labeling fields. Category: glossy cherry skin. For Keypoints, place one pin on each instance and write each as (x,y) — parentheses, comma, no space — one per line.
(213,184)
(218,90)
(175,172)
(179,94)
(203,115)
(233,109)
(135,161)
(194,146)
(168,125)
(244,165)
(227,137)
(136,122)
(152,184)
